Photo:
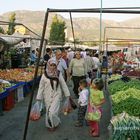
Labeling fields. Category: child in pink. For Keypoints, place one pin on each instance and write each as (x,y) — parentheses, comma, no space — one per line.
(96,99)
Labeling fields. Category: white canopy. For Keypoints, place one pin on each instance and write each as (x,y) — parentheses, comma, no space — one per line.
(13,39)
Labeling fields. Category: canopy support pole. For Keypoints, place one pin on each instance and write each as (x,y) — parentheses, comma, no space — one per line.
(35,76)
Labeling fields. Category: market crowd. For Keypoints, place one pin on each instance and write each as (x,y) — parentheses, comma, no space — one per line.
(87,74)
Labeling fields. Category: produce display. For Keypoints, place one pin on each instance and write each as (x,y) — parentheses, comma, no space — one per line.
(117,86)
(117,61)
(133,73)
(125,127)
(128,101)
(18,75)
(122,86)
(115,77)
(4,86)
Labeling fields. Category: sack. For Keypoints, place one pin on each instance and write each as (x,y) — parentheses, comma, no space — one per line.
(92,114)
(67,108)
(35,112)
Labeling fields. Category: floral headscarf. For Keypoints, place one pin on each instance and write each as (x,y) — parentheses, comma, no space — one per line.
(51,72)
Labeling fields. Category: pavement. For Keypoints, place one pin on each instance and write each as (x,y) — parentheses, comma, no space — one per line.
(12,124)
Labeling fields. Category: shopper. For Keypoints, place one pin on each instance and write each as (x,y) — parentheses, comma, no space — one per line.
(47,56)
(82,101)
(50,90)
(61,64)
(78,70)
(96,99)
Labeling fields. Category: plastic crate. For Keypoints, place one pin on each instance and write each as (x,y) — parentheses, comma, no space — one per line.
(1,108)
(9,101)
(19,93)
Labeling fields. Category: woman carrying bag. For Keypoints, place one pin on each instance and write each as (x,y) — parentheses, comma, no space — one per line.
(50,90)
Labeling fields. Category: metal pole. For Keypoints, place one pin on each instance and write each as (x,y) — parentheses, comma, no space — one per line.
(97,10)
(35,76)
(106,74)
(100,44)
(6,23)
(104,41)
(100,47)
(72,30)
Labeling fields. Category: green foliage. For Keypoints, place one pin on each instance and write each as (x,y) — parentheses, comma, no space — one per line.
(57,34)
(11,27)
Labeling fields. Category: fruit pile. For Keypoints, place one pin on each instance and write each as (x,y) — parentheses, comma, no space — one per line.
(4,86)
(18,75)
(135,73)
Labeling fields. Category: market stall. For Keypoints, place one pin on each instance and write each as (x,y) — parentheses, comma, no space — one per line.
(15,84)
(125,100)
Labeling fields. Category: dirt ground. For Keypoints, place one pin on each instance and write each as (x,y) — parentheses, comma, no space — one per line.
(12,124)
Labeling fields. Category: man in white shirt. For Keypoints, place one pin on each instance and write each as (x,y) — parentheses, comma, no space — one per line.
(61,64)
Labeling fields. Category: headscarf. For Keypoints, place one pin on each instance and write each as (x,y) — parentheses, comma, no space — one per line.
(52,73)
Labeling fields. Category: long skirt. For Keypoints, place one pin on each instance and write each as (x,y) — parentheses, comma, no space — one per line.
(52,114)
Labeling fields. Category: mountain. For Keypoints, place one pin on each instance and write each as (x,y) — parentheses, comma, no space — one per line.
(85,28)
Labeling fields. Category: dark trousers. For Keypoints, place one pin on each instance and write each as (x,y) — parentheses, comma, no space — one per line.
(81,113)
(76,80)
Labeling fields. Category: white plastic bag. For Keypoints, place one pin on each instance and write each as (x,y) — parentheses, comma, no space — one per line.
(35,111)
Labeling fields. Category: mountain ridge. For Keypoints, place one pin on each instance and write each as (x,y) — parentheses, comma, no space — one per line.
(85,28)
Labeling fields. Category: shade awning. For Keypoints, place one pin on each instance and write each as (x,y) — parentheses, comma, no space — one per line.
(12,39)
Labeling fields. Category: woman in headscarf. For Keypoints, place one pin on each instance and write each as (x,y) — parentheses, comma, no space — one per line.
(50,89)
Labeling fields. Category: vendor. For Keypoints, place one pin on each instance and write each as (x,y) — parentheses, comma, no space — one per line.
(33,57)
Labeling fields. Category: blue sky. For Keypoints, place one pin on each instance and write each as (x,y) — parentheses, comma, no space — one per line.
(37,5)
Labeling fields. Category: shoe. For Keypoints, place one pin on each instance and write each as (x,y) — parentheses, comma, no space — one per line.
(93,133)
(52,129)
(78,124)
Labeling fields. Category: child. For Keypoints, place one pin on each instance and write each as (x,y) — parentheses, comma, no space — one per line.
(82,101)
(96,99)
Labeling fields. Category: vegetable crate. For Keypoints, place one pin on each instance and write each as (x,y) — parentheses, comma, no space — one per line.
(9,101)
(19,94)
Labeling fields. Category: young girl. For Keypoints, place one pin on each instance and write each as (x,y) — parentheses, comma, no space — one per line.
(96,99)
(82,101)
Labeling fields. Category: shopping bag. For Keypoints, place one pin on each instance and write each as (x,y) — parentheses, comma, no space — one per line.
(92,113)
(67,108)
(73,104)
(35,111)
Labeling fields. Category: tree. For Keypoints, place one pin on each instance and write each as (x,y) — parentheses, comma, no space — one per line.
(11,27)
(57,34)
